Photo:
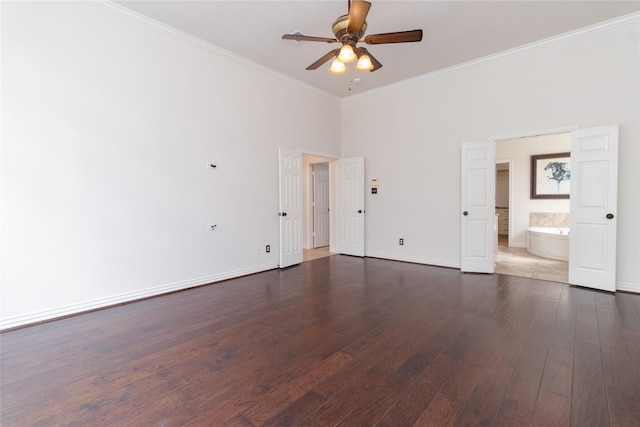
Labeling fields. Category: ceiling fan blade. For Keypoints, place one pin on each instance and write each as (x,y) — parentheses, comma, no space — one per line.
(324,59)
(399,37)
(357,15)
(301,38)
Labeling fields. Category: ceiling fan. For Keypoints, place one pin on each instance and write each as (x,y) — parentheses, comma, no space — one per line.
(348,30)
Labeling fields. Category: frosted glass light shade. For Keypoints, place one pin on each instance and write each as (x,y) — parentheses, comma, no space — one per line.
(364,63)
(337,67)
(347,54)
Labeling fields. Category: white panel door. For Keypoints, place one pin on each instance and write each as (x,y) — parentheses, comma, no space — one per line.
(350,206)
(290,207)
(594,190)
(320,205)
(477,216)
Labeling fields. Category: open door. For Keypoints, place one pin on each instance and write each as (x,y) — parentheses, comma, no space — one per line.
(594,191)
(477,216)
(290,207)
(350,206)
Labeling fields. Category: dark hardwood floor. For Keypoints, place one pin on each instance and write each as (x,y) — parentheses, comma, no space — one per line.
(336,341)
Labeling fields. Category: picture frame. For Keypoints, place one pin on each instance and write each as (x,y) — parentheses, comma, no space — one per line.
(550,176)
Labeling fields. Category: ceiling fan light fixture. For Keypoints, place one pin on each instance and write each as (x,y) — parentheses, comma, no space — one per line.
(337,67)
(347,54)
(364,63)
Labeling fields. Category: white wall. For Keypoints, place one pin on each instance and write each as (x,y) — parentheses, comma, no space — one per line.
(502,189)
(411,133)
(108,123)
(519,151)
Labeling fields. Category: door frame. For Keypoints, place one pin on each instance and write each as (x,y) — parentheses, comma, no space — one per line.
(309,224)
(307,195)
(525,134)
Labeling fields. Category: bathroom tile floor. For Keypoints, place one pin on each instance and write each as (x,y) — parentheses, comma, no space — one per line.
(518,262)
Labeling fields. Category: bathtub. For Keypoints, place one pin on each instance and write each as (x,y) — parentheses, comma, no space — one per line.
(549,242)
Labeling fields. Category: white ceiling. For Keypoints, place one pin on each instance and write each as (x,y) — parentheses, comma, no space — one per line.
(455,31)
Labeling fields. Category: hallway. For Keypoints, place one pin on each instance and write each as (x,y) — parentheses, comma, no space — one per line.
(311,254)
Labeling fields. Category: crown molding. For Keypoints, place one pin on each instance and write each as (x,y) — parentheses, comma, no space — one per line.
(210,46)
(605,25)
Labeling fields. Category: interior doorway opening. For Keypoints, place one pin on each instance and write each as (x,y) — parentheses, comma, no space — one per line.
(516,210)
(317,194)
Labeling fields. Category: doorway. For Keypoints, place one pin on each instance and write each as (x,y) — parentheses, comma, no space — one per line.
(517,211)
(316,207)
(346,184)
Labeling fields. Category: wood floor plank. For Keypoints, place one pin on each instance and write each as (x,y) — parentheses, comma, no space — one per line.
(551,410)
(587,319)
(629,314)
(413,401)
(339,340)
(588,397)
(298,411)
(624,407)
(481,407)
(558,372)
(341,404)
(442,411)
(374,405)
(279,397)
(519,401)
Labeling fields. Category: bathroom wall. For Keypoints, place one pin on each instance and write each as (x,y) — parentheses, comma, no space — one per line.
(519,151)
(502,188)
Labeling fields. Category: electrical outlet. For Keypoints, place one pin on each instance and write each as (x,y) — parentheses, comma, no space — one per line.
(268,249)
(401,242)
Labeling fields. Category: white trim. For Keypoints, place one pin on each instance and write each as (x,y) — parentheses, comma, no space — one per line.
(417,260)
(102,303)
(554,39)
(174,31)
(329,157)
(534,133)
(628,287)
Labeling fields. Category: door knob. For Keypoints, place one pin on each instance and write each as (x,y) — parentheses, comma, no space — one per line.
(282,214)
(465,213)
(609,216)
(359,210)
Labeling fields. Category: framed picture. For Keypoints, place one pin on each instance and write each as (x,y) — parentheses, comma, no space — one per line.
(551,176)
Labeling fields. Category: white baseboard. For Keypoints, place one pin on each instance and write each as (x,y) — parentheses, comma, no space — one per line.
(417,260)
(628,287)
(71,309)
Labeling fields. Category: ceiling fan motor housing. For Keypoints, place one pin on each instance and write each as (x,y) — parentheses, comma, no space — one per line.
(341,33)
